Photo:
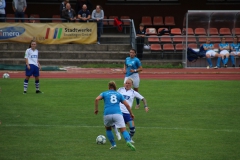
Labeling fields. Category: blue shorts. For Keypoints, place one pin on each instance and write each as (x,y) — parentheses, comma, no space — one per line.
(127,117)
(34,70)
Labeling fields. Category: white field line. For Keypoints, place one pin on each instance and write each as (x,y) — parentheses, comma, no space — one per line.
(137,127)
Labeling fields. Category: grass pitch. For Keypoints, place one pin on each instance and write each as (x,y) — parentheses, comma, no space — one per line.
(187,120)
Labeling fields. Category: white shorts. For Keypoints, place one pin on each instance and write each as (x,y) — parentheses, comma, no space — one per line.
(235,53)
(224,52)
(212,53)
(135,78)
(114,119)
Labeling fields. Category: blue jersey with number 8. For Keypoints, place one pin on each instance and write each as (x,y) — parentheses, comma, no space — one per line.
(111,102)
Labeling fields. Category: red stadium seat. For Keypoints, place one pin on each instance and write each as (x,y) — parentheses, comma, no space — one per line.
(56,21)
(169,21)
(228,39)
(178,39)
(35,16)
(125,23)
(153,39)
(166,30)
(111,22)
(147,20)
(105,21)
(225,31)
(165,39)
(236,31)
(200,31)
(202,39)
(168,47)
(155,47)
(213,31)
(215,39)
(188,31)
(176,31)
(216,45)
(191,39)
(192,45)
(179,47)
(158,21)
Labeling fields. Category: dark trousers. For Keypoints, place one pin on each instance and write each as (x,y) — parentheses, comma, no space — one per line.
(140,44)
(19,15)
(99,29)
(2,16)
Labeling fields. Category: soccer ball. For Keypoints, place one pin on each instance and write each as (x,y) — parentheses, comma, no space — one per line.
(6,75)
(101,139)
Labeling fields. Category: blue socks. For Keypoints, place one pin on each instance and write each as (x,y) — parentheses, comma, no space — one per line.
(232,59)
(37,84)
(110,137)
(126,136)
(225,61)
(209,62)
(219,61)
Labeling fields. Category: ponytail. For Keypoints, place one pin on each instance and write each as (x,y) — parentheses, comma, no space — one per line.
(112,85)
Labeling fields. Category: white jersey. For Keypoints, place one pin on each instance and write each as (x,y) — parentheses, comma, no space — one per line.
(32,56)
(129,96)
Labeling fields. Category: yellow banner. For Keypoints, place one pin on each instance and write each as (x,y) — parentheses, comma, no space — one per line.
(49,33)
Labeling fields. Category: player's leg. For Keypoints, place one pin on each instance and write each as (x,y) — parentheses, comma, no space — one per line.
(208,58)
(226,59)
(219,58)
(232,58)
(129,121)
(116,132)
(136,82)
(36,75)
(28,74)
(108,122)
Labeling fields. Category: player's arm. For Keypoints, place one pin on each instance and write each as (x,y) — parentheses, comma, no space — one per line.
(128,108)
(96,104)
(124,68)
(205,47)
(145,104)
(139,69)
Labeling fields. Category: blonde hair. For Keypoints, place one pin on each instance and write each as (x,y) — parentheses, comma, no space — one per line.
(112,85)
(130,80)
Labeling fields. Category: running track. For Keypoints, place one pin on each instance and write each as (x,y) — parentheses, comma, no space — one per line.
(164,74)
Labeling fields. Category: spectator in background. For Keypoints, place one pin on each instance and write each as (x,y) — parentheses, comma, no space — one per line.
(235,50)
(69,14)
(19,8)
(62,7)
(84,14)
(98,16)
(2,10)
(140,40)
(32,20)
(80,3)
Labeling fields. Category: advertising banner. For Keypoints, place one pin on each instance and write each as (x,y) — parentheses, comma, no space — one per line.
(49,33)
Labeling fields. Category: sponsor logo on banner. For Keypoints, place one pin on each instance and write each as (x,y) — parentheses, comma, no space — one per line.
(11,32)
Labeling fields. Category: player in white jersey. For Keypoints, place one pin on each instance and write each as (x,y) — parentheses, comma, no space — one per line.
(224,51)
(129,94)
(32,66)
(131,69)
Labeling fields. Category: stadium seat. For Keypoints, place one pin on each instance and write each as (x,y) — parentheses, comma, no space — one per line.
(10,16)
(165,39)
(151,31)
(200,31)
(56,21)
(225,31)
(111,22)
(228,39)
(147,20)
(153,39)
(155,47)
(215,39)
(35,16)
(125,23)
(105,21)
(236,31)
(158,21)
(202,39)
(177,39)
(176,31)
(168,47)
(188,31)
(192,45)
(166,30)
(191,39)
(179,47)
(216,45)
(169,21)
(213,31)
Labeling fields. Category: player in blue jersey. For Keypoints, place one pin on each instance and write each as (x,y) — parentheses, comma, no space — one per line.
(224,51)
(235,50)
(131,69)
(32,66)
(208,47)
(129,94)
(113,114)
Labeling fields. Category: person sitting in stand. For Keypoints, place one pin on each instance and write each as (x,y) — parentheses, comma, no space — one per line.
(84,14)
(69,14)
